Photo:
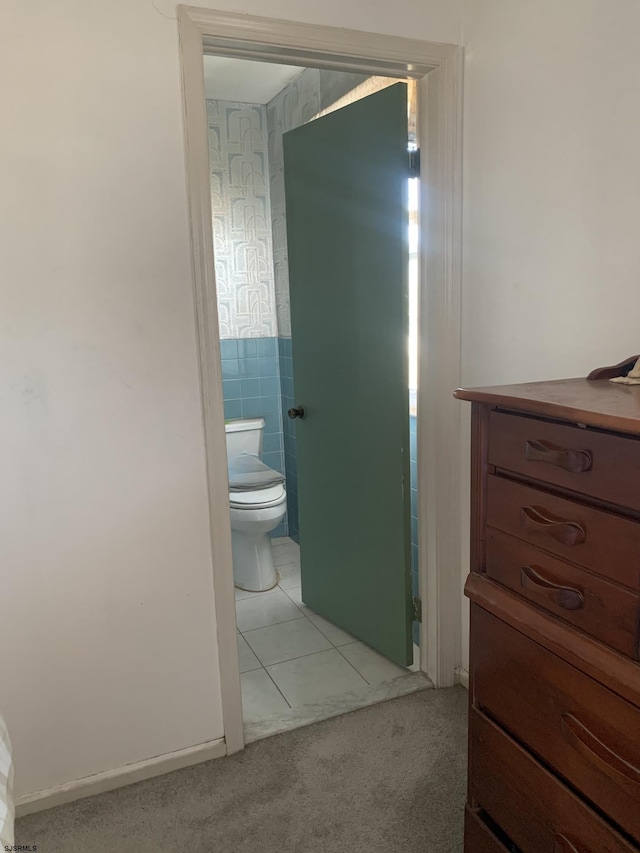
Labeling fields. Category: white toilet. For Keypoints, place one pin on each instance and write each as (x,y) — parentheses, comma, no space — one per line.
(258,502)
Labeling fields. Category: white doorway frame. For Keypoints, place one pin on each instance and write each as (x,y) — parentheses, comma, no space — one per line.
(438,70)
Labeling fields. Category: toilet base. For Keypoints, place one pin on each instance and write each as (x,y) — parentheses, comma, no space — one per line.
(253,568)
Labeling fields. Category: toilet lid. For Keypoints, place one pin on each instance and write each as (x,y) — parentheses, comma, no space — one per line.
(259,498)
(248,473)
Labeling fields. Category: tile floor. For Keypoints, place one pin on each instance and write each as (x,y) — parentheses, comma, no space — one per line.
(297,667)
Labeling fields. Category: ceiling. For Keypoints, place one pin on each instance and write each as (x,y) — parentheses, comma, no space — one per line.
(230,79)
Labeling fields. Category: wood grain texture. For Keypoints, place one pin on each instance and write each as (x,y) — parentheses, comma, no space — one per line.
(599,404)
(530,692)
(478,836)
(611,546)
(479,472)
(555,609)
(612,475)
(610,668)
(603,610)
(528,802)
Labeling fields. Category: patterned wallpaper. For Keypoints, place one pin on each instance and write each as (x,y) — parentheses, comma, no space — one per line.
(241,219)
(248,204)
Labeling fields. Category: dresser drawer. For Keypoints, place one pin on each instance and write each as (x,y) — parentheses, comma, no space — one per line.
(601,465)
(599,608)
(603,542)
(478,838)
(535,810)
(587,733)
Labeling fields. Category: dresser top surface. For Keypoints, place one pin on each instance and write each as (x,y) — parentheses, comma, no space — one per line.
(597,403)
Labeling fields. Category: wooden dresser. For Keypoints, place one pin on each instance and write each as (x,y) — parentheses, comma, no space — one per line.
(554,722)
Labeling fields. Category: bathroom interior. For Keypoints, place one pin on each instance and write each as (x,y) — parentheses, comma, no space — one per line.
(296,667)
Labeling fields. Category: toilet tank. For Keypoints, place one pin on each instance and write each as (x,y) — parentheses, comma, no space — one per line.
(244,436)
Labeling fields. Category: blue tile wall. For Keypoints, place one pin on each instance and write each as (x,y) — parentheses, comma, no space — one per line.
(289,435)
(413,457)
(251,389)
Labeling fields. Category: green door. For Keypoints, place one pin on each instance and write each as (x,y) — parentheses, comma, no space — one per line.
(346,184)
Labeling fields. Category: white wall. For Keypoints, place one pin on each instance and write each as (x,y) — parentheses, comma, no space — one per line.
(431,20)
(551,188)
(109,654)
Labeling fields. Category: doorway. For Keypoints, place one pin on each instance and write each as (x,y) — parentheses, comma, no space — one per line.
(295,665)
(439,101)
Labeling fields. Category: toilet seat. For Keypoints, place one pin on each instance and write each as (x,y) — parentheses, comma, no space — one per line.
(253,485)
(258,498)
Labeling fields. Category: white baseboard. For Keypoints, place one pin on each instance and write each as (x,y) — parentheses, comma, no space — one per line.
(118,778)
(462,677)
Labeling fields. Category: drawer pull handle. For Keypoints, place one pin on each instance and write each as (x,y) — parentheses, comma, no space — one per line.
(563,845)
(575,461)
(567,597)
(589,745)
(542,521)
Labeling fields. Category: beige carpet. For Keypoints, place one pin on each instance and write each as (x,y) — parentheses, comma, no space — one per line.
(386,778)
